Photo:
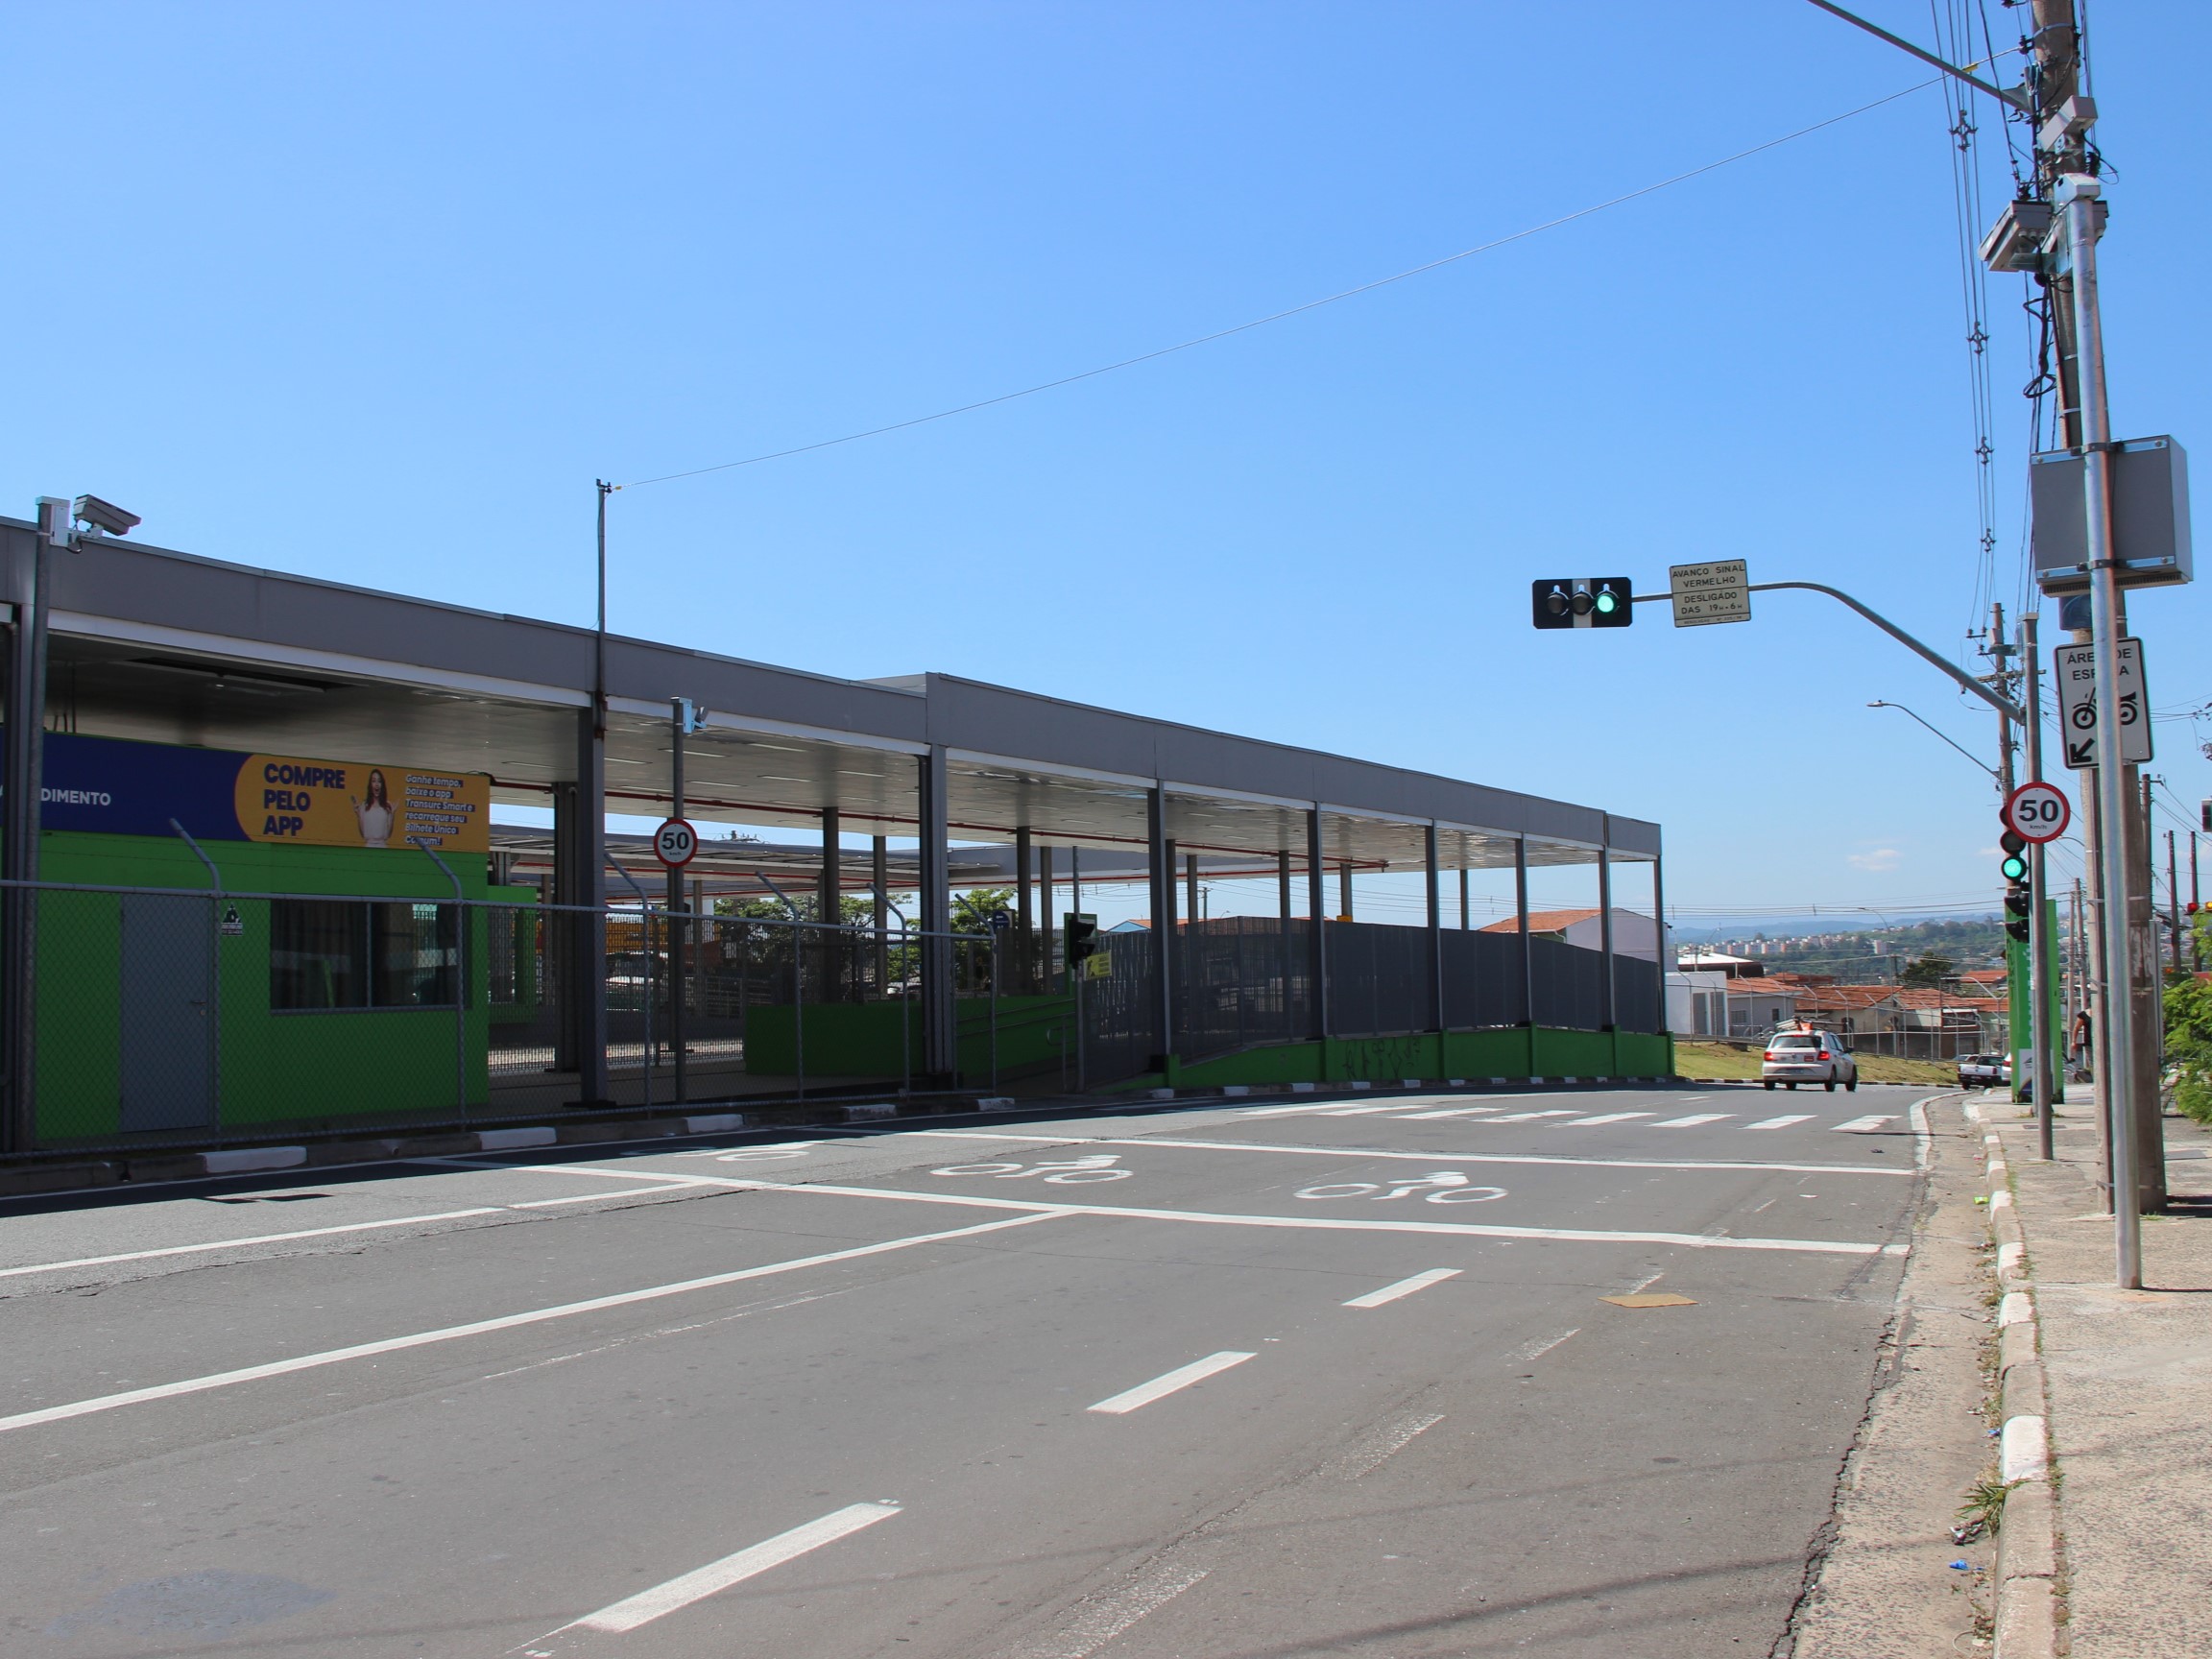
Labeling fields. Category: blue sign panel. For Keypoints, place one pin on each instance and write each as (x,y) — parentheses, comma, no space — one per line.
(121,788)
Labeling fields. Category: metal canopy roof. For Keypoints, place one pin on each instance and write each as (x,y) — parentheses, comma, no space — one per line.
(164,646)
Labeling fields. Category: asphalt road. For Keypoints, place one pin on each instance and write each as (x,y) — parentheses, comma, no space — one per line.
(1265,1377)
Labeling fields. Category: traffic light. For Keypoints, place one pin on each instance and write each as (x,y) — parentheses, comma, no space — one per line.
(2014,870)
(1079,929)
(1582,602)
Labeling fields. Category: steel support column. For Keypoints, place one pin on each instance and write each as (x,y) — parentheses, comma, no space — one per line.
(1316,907)
(879,907)
(1044,963)
(1521,913)
(830,908)
(23,771)
(940,1012)
(1024,935)
(1666,955)
(1609,1007)
(1160,871)
(1435,928)
(581,851)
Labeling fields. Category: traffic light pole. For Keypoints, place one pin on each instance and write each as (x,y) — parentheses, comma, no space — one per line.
(2038,935)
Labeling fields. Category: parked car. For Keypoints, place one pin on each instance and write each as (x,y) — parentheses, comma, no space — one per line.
(1804,1056)
(1984,1070)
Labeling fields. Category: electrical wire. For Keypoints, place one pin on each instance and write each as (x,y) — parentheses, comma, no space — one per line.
(1293,311)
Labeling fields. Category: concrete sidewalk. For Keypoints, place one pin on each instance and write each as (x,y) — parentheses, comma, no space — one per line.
(2127,1376)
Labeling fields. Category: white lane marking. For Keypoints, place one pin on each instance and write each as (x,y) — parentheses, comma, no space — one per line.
(235,1243)
(1371,1452)
(1342,1152)
(1365,1111)
(1860,1125)
(1525,1116)
(1335,1223)
(1530,1352)
(1607,1118)
(1651,1279)
(481,1327)
(1447,1112)
(696,1586)
(1182,1377)
(1097,1622)
(1404,1288)
(602,1198)
(1781,1123)
(1692,1120)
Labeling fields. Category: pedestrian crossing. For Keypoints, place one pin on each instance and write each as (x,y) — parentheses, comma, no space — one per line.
(1568,1117)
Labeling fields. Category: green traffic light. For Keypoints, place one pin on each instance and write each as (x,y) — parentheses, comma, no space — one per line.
(2014,868)
(1607,604)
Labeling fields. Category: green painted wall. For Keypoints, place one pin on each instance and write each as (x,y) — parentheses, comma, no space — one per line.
(274,1067)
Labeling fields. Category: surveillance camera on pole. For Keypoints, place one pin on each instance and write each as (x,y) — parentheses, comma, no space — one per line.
(104,516)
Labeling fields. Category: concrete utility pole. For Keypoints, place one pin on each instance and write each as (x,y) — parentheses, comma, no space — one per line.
(2127,1075)
(2000,653)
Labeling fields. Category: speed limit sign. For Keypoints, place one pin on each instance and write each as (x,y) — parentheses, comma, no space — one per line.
(675,842)
(2037,812)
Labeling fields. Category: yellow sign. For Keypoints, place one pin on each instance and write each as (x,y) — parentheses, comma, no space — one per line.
(343,803)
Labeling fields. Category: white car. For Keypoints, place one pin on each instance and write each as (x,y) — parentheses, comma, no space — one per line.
(1794,1057)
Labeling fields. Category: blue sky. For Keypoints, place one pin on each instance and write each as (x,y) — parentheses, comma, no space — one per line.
(375,293)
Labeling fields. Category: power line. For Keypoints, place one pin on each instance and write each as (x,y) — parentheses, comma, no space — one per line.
(1280,315)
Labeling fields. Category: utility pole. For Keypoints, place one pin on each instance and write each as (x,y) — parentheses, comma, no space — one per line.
(2000,653)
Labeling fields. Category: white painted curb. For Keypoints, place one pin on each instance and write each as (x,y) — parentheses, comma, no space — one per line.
(2026,1609)
(234,1161)
(502,1139)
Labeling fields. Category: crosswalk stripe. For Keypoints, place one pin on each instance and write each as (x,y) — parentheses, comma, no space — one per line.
(1860,1125)
(1525,1116)
(1364,1111)
(1781,1123)
(1692,1120)
(1608,1118)
(1447,1112)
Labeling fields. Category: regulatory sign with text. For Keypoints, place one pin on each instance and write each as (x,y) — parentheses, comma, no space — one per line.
(2076,668)
(2037,812)
(1718,591)
(675,842)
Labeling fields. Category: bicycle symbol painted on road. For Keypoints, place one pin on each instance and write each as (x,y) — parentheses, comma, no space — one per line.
(1442,1187)
(1074,1172)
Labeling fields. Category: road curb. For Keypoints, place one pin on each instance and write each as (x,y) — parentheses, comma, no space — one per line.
(2028,1607)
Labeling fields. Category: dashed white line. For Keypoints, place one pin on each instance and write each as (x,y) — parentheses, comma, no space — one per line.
(1529,1352)
(1098,1621)
(1860,1125)
(1404,1288)
(1530,1117)
(483,1327)
(1607,1118)
(1386,1442)
(1781,1123)
(1692,1120)
(1182,1377)
(647,1605)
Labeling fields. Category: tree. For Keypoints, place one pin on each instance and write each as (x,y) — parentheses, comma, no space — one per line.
(2189,1032)
(972,910)
(1925,972)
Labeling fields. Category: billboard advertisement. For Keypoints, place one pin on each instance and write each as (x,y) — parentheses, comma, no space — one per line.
(111,786)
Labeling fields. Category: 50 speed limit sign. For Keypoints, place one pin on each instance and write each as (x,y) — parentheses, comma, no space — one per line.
(2037,812)
(675,842)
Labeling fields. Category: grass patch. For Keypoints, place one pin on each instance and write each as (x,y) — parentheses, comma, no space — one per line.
(1704,1058)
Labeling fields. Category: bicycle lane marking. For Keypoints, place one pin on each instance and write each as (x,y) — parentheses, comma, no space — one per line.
(1348,1153)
